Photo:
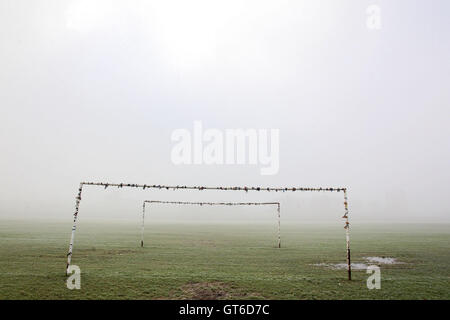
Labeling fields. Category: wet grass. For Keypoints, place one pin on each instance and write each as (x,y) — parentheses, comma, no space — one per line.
(220,261)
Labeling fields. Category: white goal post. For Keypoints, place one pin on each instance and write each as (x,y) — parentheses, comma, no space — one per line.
(211,204)
(201,188)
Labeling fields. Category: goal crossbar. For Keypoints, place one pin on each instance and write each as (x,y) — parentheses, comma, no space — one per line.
(200,188)
(211,204)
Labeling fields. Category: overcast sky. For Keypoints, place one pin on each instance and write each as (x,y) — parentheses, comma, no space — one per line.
(92,90)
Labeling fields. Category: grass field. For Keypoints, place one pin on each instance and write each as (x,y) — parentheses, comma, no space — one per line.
(220,261)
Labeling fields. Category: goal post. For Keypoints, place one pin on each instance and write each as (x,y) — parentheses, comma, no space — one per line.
(201,188)
(211,204)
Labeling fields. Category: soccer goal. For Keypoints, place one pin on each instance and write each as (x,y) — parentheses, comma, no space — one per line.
(201,188)
(277,204)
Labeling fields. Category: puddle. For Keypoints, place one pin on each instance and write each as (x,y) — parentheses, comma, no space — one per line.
(360,266)
(338,266)
(382,260)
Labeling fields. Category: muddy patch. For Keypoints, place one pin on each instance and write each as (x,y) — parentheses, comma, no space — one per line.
(215,290)
(206,291)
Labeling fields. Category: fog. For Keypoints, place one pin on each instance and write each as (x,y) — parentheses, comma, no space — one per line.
(92,91)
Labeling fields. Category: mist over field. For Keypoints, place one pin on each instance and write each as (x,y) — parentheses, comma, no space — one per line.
(92,90)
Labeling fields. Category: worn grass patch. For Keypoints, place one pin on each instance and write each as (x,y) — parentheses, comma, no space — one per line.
(215,290)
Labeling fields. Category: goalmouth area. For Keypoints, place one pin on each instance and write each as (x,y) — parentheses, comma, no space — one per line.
(211,204)
(201,188)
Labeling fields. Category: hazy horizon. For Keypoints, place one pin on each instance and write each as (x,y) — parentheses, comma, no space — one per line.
(92,90)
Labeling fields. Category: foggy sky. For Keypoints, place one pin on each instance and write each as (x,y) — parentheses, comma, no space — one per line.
(92,90)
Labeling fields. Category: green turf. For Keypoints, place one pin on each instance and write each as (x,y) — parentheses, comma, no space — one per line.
(220,261)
